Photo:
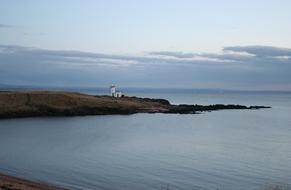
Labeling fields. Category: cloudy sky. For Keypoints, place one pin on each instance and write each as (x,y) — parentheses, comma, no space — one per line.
(230,44)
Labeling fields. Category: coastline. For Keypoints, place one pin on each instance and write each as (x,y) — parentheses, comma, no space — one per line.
(51,103)
(8,182)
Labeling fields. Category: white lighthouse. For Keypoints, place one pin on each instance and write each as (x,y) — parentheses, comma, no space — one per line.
(114,93)
(112,90)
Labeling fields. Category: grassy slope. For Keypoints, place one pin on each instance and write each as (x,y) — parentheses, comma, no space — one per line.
(38,103)
(48,103)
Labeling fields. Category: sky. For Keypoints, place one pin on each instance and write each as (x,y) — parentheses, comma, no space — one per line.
(229,44)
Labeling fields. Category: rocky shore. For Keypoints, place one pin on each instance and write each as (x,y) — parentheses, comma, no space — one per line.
(49,103)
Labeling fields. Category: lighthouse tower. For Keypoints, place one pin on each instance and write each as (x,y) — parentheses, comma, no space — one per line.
(112,90)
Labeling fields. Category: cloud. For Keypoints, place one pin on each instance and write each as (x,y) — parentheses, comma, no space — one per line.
(249,67)
(69,56)
(261,51)
(235,55)
(4,26)
(173,54)
(63,56)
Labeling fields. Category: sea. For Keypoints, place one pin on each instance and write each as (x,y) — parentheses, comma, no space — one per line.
(219,150)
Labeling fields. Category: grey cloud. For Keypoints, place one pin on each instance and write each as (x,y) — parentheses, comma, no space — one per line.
(261,51)
(4,26)
(69,56)
(254,54)
(173,54)
(58,56)
(30,65)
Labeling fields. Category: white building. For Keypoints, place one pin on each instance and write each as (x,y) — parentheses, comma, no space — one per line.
(112,90)
(118,94)
(114,93)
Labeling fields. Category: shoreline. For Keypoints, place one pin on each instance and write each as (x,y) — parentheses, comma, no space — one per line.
(51,103)
(8,182)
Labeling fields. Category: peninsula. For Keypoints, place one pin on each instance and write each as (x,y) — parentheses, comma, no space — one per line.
(50,103)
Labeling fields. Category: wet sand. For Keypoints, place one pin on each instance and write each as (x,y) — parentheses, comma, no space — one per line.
(15,183)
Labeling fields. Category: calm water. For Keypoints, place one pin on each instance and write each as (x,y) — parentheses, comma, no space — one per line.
(229,150)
